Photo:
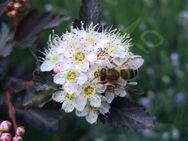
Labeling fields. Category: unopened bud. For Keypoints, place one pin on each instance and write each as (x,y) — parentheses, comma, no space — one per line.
(12,13)
(20,131)
(5,126)
(5,137)
(17,138)
(17,5)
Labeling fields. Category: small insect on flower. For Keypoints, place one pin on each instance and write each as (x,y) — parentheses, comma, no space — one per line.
(85,64)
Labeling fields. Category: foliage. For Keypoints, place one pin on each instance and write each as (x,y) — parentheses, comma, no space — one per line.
(163,82)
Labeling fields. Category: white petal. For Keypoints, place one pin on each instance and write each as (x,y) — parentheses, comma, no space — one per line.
(95,101)
(109,96)
(82,113)
(58,67)
(91,57)
(100,88)
(120,91)
(118,52)
(104,108)
(72,88)
(82,79)
(92,116)
(58,96)
(68,52)
(67,64)
(80,103)
(84,66)
(59,78)
(67,106)
(46,66)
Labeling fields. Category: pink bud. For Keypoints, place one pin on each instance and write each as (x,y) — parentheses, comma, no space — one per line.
(12,13)
(5,126)
(58,67)
(17,138)
(17,5)
(20,131)
(6,137)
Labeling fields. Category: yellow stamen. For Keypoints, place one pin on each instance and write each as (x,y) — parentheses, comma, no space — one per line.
(90,39)
(89,90)
(71,76)
(70,96)
(79,56)
(111,48)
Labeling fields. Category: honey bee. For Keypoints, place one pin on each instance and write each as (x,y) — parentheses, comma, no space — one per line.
(127,71)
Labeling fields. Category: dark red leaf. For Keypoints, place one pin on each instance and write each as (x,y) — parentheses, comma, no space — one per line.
(124,113)
(3,6)
(32,24)
(44,119)
(6,47)
(89,13)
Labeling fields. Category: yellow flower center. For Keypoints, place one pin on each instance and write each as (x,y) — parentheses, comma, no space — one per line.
(71,76)
(79,56)
(54,59)
(89,90)
(112,48)
(90,39)
(70,96)
(95,73)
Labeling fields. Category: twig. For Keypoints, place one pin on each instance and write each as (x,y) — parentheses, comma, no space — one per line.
(11,109)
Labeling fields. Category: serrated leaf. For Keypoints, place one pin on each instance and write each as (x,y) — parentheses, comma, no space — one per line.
(124,113)
(44,119)
(134,89)
(32,24)
(133,25)
(5,45)
(3,6)
(89,13)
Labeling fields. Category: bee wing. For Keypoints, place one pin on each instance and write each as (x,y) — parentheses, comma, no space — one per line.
(135,62)
(134,89)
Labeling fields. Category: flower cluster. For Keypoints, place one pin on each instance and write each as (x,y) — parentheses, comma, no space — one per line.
(5,135)
(77,58)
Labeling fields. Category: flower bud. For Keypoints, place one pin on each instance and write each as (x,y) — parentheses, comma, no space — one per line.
(17,138)
(17,5)
(12,13)
(6,137)
(20,131)
(5,126)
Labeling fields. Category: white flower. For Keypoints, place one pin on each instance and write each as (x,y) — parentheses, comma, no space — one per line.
(89,92)
(90,113)
(77,58)
(110,94)
(69,100)
(52,58)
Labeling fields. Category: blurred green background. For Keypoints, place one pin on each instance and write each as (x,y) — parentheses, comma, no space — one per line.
(159,30)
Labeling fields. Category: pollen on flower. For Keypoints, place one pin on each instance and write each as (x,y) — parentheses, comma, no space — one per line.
(54,59)
(79,56)
(90,39)
(89,90)
(71,76)
(112,48)
(70,96)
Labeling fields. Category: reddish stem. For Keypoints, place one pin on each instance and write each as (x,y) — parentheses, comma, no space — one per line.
(27,84)
(11,109)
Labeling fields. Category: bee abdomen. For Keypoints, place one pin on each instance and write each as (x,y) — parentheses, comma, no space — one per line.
(112,75)
(128,73)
